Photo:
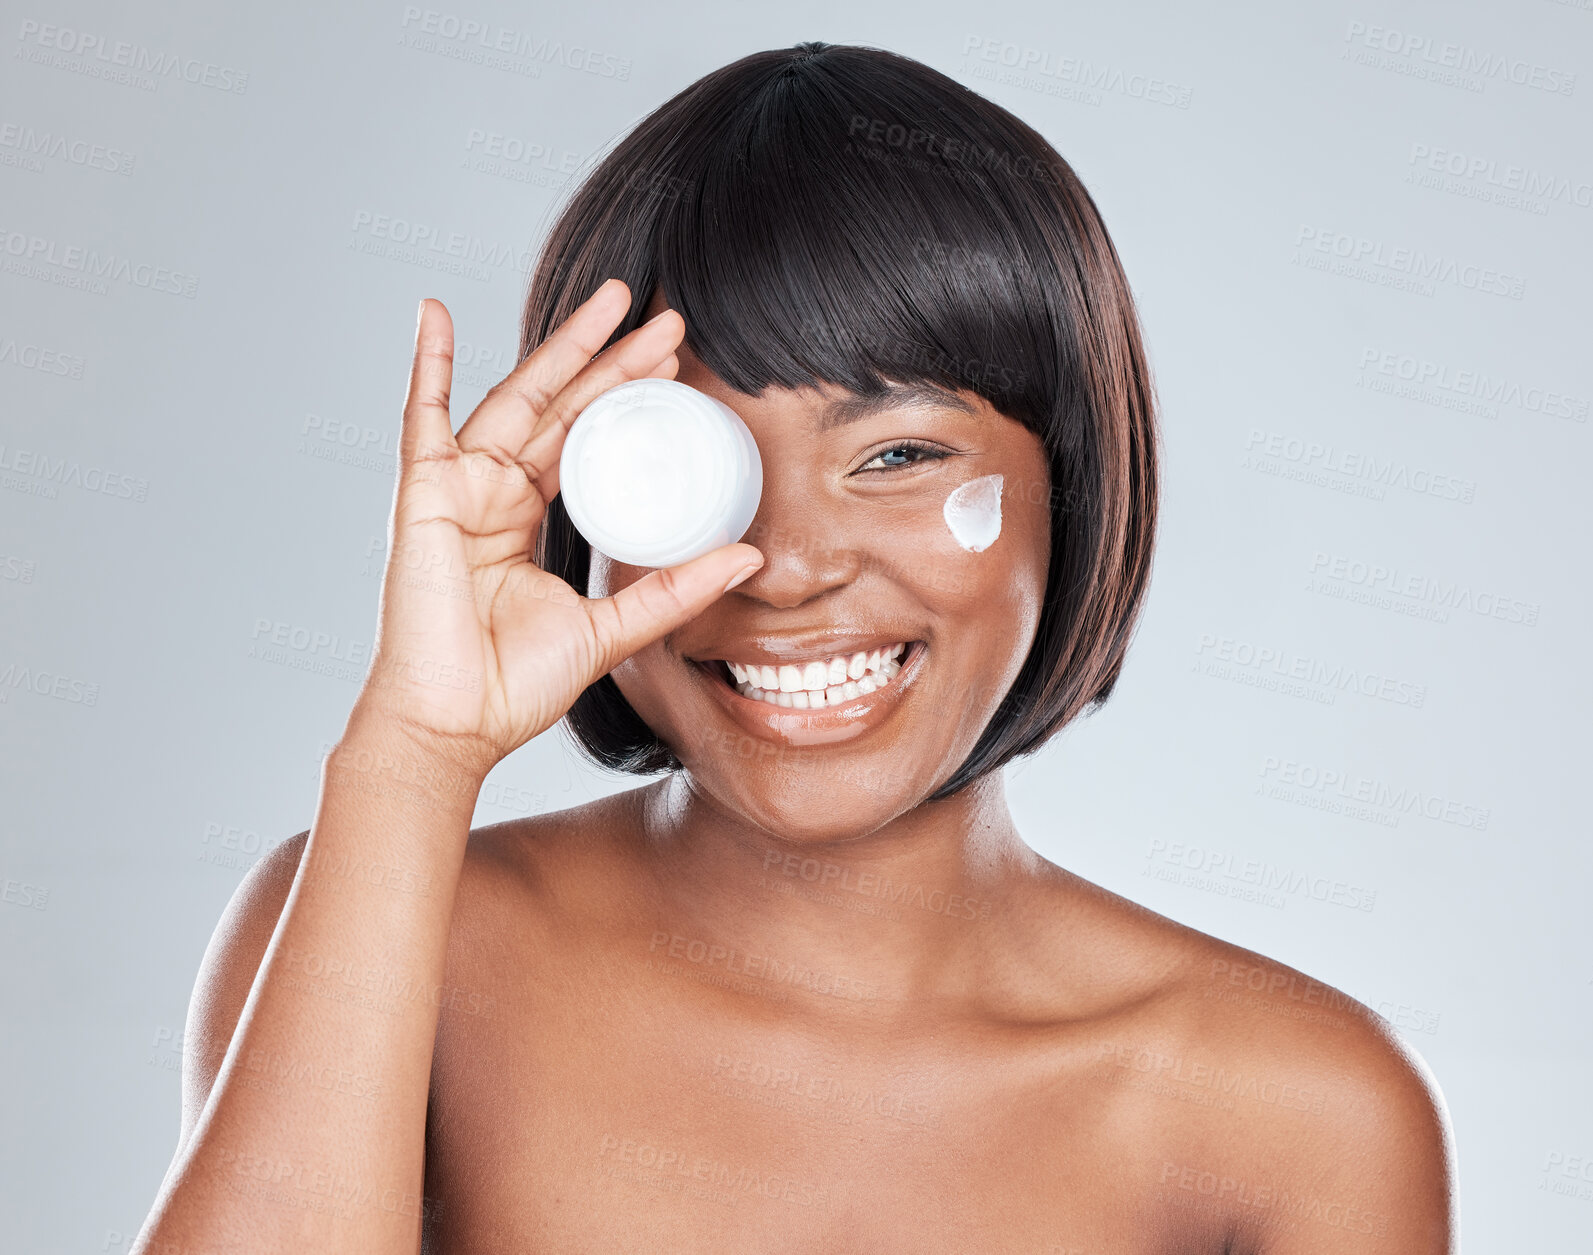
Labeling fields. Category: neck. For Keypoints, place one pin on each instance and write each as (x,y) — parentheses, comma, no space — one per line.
(905,911)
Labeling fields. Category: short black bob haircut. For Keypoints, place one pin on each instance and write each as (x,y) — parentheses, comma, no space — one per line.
(847,215)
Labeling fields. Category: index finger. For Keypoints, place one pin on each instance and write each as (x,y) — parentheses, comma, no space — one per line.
(425,430)
(506,418)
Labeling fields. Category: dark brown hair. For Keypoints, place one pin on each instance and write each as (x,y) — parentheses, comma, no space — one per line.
(847,215)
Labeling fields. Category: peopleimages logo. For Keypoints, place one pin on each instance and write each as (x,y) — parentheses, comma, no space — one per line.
(1269,450)
(24,254)
(1427,591)
(1287,664)
(34,147)
(1270,881)
(99,57)
(16,677)
(47,475)
(872,884)
(1076,72)
(1414,264)
(44,360)
(488,37)
(1462,58)
(951,149)
(1345,786)
(1533,184)
(1490,389)
(436,248)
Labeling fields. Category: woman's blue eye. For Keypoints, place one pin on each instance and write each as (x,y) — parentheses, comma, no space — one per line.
(905,454)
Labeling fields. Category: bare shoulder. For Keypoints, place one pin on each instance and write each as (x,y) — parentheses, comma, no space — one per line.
(1352,1124)
(502,862)
(1291,1107)
(531,886)
(1363,1078)
(536,852)
(226,973)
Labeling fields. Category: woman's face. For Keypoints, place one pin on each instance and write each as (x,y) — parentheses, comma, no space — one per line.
(858,555)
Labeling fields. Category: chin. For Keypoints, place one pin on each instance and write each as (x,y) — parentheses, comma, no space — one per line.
(802,806)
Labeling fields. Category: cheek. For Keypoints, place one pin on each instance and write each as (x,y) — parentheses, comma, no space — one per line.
(976,548)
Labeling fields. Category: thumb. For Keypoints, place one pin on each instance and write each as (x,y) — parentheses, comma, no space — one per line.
(662,600)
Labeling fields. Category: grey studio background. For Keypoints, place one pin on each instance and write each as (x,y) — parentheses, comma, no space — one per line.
(1351,733)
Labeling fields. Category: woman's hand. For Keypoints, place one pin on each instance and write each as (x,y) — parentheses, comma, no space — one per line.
(478,650)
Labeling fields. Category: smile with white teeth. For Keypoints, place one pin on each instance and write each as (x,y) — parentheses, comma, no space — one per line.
(821,682)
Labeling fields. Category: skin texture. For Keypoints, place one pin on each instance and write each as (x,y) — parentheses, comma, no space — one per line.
(774,1002)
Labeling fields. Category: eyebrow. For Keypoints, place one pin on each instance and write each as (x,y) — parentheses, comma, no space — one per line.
(917,396)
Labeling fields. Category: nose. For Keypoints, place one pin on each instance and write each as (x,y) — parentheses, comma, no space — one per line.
(807,548)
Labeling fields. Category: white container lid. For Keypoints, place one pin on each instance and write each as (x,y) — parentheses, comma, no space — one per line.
(655,473)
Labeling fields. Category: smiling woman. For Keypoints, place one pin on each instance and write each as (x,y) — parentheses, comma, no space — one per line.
(811,989)
(846,219)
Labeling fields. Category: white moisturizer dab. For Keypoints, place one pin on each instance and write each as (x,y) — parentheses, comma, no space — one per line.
(973,512)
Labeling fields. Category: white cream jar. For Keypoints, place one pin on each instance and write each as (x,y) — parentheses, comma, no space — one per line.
(655,473)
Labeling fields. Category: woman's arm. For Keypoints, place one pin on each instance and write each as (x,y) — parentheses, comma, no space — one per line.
(309,1039)
(315,1015)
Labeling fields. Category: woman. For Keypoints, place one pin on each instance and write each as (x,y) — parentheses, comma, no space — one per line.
(809,989)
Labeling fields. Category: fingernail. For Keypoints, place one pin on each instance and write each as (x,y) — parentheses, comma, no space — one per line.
(420,312)
(656,317)
(742,574)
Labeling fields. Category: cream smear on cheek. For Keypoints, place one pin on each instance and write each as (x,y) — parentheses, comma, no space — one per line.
(973,512)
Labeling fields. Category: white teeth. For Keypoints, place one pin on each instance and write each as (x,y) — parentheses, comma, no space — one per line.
(820,683)
(819,673)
